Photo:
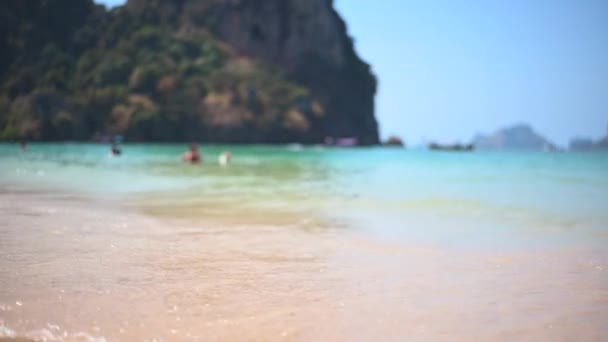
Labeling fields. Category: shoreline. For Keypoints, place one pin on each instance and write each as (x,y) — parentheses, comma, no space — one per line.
(216,281)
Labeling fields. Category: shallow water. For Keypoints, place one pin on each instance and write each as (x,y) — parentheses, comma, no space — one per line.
(302,243)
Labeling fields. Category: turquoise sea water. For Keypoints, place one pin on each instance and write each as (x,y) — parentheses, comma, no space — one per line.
(480,199)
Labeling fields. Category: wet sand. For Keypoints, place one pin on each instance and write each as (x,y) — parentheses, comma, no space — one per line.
(77,269)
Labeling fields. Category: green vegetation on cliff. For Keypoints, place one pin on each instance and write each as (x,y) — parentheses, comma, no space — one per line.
(73,70)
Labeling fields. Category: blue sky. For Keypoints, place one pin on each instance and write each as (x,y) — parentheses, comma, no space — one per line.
(448,69)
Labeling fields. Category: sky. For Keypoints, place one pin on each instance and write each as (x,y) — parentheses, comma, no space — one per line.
(449,69)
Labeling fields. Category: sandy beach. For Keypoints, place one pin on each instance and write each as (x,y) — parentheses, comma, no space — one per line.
(77,269)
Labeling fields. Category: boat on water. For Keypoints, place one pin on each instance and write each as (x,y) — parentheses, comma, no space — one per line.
(451,147)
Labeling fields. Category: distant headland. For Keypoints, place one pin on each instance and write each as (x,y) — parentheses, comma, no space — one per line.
(516,137)
(588,144)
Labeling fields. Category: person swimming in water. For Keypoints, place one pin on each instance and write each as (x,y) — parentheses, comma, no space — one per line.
(114,150)
(23,145)
(192,156)
(224,158)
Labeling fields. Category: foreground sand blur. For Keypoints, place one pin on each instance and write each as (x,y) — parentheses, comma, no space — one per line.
(78,269)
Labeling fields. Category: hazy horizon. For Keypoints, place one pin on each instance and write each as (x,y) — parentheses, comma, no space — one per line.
(450,70)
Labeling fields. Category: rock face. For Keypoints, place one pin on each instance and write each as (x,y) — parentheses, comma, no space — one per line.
(518,137)
(271,71)
(306,39)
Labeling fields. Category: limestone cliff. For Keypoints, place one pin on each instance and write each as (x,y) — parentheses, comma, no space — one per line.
(305,38)
(270,71)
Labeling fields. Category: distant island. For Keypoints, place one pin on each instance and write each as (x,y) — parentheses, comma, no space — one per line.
(517,137)
(587,144)
(276,71)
